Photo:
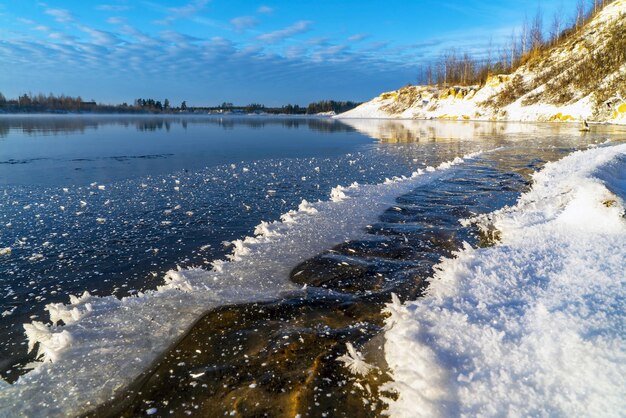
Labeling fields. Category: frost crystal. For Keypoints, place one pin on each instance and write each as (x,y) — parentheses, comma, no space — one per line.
(355,361)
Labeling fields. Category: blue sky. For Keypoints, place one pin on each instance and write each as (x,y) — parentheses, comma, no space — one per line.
(241,51)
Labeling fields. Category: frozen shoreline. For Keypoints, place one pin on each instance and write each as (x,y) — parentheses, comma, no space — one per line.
(535,324)
(107,342)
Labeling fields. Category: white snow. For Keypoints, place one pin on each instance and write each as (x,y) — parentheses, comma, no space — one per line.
(106,342)
(534,326)
(476,102)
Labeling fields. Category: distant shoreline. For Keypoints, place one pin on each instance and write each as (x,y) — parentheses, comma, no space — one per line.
(160,114)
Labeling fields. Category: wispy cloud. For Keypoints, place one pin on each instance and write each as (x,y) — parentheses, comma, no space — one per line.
(61,37)
(99,37)
(265,10)
(189,9)
(183,12)
(25,21)
(178,38)
(282,34)
(319,41)
(357,38)
(242,23)
(115,20)
(331,53)
(60,15)
(112,8)
(184,67)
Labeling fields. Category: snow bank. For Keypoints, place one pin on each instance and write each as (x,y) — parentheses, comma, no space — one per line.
(106,342)
(534,326)
(423,102)
(369,110)
(539,91)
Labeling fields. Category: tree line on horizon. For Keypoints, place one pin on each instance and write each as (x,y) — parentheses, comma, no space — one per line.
(461,68)
(29,103)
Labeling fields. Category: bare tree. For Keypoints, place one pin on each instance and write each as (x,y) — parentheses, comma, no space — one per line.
(580,14)
(513,47)
(557,25)
(524,36)
(468,69)
(489,62)
(536,31)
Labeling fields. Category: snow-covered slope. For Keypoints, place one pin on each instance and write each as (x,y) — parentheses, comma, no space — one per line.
(581,78)
(534,326)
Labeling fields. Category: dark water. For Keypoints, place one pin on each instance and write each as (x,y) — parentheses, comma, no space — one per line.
(279,359)
(71,150)
(110,204)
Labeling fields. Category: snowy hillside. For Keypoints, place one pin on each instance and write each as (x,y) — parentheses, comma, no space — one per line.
(582,77)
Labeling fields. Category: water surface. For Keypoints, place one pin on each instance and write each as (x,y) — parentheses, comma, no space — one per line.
(109,204)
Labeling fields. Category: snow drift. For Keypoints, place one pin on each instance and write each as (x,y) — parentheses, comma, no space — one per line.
(534,326)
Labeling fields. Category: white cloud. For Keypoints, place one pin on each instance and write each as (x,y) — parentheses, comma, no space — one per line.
(183,12)
(60,15)
(265,10)
(112,8)
(319,41)
(282,34)
(242,23)
(58,36)
(118,55)
(178,38)
(293,52)
(99,37)
(25,21)
(358,37)
(116,20)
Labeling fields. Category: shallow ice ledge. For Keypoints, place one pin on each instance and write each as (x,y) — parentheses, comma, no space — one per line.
(107,342)
(533,326)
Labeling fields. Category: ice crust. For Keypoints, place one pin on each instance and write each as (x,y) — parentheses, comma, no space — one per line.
(534,326)
(104,343)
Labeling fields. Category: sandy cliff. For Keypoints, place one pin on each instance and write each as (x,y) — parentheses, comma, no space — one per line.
(583,77)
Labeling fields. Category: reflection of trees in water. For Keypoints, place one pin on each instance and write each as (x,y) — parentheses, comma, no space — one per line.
(406,131)
(51,125)
(44,126)
(314,124)
(409,140)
